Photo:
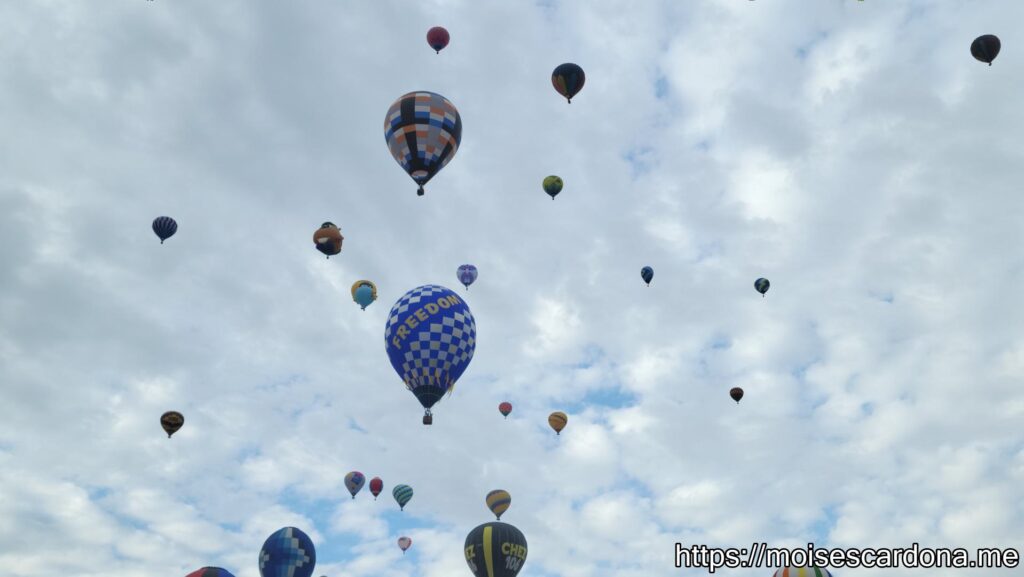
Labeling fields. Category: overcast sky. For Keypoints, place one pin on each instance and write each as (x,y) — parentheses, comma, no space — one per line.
(853,153)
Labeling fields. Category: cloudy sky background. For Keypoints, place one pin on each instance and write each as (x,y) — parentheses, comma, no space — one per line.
(854,153)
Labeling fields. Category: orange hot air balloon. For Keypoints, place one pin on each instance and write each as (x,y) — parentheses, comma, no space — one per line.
(328,239)
(558,420)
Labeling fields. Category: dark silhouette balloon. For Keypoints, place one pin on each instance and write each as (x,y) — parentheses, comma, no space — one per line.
(568,80)
(552,185)
(736,393)
(986,48)
(761,285)
(495,549)
(647,273)
(164,227)
(171,421)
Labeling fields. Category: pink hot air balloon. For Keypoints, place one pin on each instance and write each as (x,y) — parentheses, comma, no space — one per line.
(505,408)
(404,543)
(438,38)
(376,486)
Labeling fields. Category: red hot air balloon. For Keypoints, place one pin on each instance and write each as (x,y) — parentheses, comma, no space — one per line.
(505,408)
(376,486)
(438,38)
(736,393)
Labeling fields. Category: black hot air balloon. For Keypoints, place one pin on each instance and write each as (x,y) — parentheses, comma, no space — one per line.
(568,80)
(171,421)
(495,549)
(164,227)
(647,273)
(986,48)
(736,393)
(761,285)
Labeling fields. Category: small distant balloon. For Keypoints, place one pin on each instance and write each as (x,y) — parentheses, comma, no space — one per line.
(568,80)
(402,494)
(986,48)
(210,572)
(498,502)
(289,552)
(364,292)
(467,275)
(558,420)
(404,543)
(171,421)
(354,482)
(376,486)
(164,227)
(328,239)
(505,408)
(552,185)
(438,38)
(736,393)
(647,273)
(761,285)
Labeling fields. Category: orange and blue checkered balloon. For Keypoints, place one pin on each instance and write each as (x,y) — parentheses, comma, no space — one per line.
(423,131)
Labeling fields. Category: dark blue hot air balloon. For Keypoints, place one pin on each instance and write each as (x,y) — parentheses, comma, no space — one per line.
(287,553)
(467,274)
(164,227)
(761,285)
(430,337)
(647,273)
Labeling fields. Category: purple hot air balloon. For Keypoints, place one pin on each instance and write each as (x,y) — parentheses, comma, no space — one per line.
(467,274)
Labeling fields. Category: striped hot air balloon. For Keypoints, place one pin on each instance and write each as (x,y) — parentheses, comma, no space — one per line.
(164,227)
(498,501)
(402,494)
(558,420)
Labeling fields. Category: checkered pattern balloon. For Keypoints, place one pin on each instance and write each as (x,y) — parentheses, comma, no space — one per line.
(287,553)
(430,337)
(423,131)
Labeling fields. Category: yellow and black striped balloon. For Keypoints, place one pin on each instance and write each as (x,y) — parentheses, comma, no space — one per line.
(495,549)
(558,420)
(498,501)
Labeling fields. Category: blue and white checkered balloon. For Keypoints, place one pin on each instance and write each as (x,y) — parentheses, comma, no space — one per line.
(430,337)
(287,553)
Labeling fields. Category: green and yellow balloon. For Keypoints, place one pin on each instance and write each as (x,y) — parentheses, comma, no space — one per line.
(552,186)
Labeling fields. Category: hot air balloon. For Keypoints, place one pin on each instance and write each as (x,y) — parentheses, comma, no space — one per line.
(736,393)
(761,285)
(568,79)
(558,420)
(423,131)
(552,185)
(495,549)
(498,501)
(467,274)
(986,48)
(438,38)
(402,494)
(430,337)
(289,552)
(164,227)
(505,408)
(647,273)
(171,421)
(802,572)
(354,482)
(376,486)
(404,543)
(364,292)
(328,239)
(210,572)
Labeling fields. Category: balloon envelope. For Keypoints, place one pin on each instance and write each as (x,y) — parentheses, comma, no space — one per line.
(495,549)
(986,48)
(404,543)
(761,285)
(402,494)
(423,131)
(287,553)
(364,292)
(558,420)
(437,38)
(210,572)
(552,185)
(505,408)
(647,273)
(354,482)
(467,274)
(568,80)
(376,486)
(736,393)
(328,239)
(498,501)
(430,337)
(171,421)
(164,227)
